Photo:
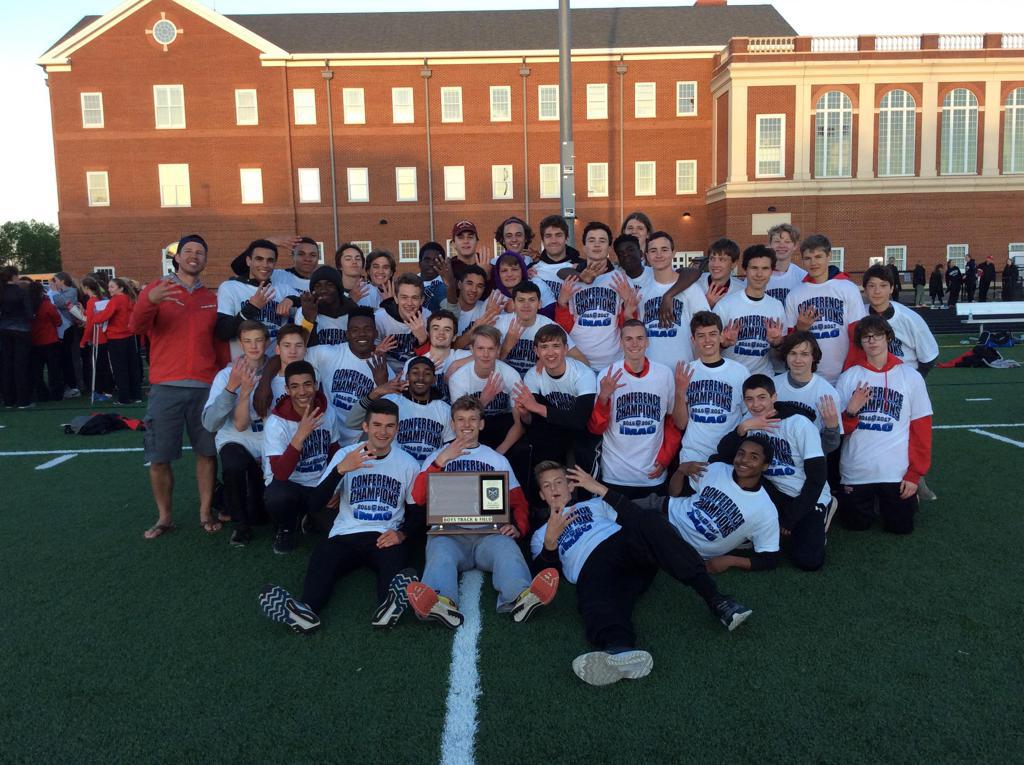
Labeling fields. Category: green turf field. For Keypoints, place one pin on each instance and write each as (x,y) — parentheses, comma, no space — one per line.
(119,650)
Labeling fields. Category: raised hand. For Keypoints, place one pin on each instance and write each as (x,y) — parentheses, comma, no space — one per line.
(829,413)
(458,448)
(773,331)
(285,307)
(357,293)
(514,333)
(495,384)
(378,367)
(568,289)
(285,241)
(493,308)
(609,384)
(417,326)
(310,421)
(264,294)
(395,385)
(559,518)
(591,272)
(759,422)
(525,400)
(716,292)
(666,313)
(237,374)
(731,333)
(386,345)
(356,459)
(250,379)
(692,468)
(166,290)
(309,306)
(578,477)
(805,317)
(859,398)
(387,290)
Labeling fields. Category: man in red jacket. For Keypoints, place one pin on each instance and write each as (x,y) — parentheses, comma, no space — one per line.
(179,313)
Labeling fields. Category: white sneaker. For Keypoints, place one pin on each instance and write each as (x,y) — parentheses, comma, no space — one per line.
(602,668)
(830,512)
(72,393)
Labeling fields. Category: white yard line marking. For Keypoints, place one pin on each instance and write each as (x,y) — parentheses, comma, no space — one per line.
(984,425)
(457,740)
(998,437)
(977,399)
(95,451)
(56,461)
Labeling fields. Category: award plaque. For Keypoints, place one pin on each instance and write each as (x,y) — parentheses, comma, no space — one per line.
(467,503)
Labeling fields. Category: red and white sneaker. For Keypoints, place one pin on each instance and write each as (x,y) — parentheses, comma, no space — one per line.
(540,592)
(427,604)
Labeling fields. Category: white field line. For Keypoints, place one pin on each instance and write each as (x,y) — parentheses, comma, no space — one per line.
(87,451)
(460,723)
(998,437)
(977,399)
(968,427)
(56,461)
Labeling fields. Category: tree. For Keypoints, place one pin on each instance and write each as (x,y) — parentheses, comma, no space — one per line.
(32,246)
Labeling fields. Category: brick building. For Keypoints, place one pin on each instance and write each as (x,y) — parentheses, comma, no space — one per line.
(716,120)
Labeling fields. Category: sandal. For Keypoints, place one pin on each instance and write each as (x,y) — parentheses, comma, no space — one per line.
(158,530)
(211,526)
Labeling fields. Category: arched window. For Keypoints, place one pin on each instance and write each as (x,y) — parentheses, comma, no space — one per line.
(1013,132)
(959,133)
(833,131)
(896,120)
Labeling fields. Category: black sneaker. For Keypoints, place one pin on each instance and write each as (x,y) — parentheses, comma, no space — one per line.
(279,606)
(284,542)
(390,611)
(241,536)
(730,613)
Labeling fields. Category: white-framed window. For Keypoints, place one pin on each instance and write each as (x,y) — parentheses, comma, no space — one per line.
(403,112)
(644,103)
(501,103)
(959,134)
(597,101)
(838,258)
(353,102)
(501,181)
(174,186)
(686,176)
(897,252)
(597,179)
(958,253)
(644,179)
(246,110)
(92,110)
(108,271)
(454,182)
(1013,132)
(498,249)
(251,179)
(406,189)
(304,101)
(770,159)
(547,102)
(896,123)
(1015,248)
(363,244)
(451,104)
(408,250)
(309,185)
(97,185)
(550,181)
(358,184)
(684,259)
(686,99)
(833,135)
(169,104)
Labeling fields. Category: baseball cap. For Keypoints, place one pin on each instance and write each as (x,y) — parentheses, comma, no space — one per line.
(462,226)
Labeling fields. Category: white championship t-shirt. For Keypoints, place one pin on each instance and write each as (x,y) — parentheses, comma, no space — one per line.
(465,381)
(406,340)
(839,304)
(781,284)
(373,498)
(914,342)
(878,449)
(806,397)
(714,399)
(441,371)
(721,515)
(278,433)
(345,378)
(252,437)
(672,344)
(230,297)
(560,392)
(548,274)
(593,522)
(793,442)
(329,330)
(751,349)
(422,428)
(636,425)
(522,357)
(595,308)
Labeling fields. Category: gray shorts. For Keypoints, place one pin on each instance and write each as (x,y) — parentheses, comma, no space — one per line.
(172,409)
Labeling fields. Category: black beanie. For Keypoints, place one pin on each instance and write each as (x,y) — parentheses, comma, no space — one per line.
(328,274)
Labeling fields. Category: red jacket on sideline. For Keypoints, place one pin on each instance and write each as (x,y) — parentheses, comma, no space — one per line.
(117,314)
(46,324)
(180,329)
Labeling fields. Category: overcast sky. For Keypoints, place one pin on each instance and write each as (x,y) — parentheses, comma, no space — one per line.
(29,28)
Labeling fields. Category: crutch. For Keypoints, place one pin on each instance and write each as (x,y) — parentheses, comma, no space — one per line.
(95,356)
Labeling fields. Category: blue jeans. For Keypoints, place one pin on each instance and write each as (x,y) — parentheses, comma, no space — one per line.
(449,555)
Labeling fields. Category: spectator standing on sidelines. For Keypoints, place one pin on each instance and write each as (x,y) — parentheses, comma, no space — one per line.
(919,280)
(1011,275)
(988,275)
(64,294)
(970,279)
(894,270)
(954,282)
(45,346)
(179,315)
(122,345)
(936,286)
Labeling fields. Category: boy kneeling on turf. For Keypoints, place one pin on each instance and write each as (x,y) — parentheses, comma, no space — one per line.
(434,597)
(373,481)
(611,550)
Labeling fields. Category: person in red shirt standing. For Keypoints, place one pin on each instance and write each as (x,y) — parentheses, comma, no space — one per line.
(45,346)
(94,337)
(179,314)
(122,347)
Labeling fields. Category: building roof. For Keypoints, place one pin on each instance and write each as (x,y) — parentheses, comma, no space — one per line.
(445,31)
(513,30)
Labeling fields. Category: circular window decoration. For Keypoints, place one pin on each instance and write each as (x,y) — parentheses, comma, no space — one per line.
(165,32)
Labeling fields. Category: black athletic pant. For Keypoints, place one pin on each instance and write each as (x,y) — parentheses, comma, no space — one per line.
(636,492)
(71,356)
(336,556)
(104,377)
(496,427)
(287,502)
(806,542)
(124,361)
(857,507)
(242,476)
(983,291)
(17,377)
(47,357)
(622,567)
